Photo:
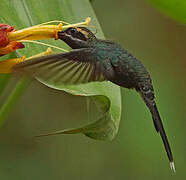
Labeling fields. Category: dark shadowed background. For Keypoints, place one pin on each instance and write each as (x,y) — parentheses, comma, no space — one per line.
(137,152)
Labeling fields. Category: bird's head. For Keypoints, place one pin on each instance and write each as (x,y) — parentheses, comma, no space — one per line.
(77,37)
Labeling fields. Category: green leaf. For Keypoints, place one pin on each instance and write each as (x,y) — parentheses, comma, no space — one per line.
(21,14)
(173,8)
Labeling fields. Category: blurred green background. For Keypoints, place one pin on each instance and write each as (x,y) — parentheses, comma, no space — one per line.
(137,152)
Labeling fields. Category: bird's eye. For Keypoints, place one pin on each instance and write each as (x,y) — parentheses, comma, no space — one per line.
(72,31)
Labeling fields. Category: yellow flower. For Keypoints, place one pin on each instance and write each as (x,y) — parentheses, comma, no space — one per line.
(7,65)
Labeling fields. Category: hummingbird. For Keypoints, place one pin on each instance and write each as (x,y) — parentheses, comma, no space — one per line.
(94,59)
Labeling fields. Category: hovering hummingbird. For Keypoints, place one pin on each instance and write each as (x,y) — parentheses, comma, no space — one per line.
(94,59)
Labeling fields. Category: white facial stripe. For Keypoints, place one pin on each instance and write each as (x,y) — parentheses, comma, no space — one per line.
(73,38)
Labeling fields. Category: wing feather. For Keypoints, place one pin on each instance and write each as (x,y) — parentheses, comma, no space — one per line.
(74,67)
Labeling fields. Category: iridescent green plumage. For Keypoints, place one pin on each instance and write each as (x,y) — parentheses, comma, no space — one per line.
(97,60)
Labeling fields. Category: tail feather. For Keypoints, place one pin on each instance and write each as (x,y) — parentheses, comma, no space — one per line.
(148,96)
(159,127)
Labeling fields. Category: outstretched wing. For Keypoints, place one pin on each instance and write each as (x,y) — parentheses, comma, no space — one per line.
(74,67)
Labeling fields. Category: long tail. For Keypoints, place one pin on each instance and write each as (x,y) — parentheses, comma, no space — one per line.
(148,97)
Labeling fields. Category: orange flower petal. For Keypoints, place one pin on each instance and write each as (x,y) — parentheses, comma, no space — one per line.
(12,46)
(4,29)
